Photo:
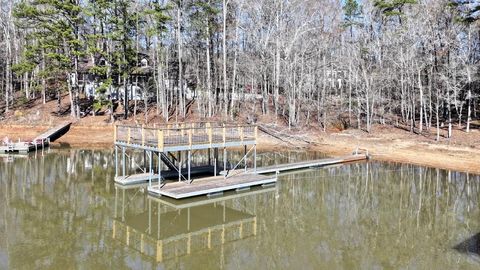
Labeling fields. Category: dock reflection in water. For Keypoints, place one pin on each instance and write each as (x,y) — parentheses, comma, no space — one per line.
(57,211)
(171,228)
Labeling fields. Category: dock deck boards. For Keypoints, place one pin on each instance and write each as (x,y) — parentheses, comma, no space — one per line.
(210,185)
(54,132)
(310,163)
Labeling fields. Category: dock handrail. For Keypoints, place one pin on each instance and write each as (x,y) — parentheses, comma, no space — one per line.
(160,137)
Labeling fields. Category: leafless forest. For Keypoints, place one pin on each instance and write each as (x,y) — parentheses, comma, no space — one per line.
(347,63)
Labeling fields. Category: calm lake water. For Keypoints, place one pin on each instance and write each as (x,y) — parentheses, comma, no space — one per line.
(61,210)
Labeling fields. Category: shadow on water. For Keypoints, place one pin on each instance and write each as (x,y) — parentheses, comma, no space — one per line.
(470,246)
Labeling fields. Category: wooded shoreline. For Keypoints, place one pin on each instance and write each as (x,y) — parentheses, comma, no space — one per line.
(387,144)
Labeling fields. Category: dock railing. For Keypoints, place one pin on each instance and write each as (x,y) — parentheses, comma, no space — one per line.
(188,134)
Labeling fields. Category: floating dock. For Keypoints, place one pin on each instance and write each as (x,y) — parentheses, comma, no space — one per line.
(160,144)
(310,164)
(41,141)
(211,185)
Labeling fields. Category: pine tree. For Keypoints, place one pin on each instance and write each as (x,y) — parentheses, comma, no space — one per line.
(54,37)
(391,8)
(352,11)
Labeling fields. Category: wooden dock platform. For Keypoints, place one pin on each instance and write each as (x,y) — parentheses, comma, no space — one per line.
(210,185)
(310,164)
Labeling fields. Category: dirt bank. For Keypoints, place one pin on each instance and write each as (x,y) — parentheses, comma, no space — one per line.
(386,144)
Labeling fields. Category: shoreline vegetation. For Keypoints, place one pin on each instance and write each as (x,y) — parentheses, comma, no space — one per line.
(385,143)
(399,78)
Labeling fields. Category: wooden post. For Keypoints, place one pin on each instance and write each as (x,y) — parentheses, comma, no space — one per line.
(224,135)
(114,133)
(160,140)
(143,136)
(207,126)
(190,138)
(210,136)
(128,136)
(240,131)
(256,133)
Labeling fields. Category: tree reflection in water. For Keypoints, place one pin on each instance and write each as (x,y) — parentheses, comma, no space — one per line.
(57,212)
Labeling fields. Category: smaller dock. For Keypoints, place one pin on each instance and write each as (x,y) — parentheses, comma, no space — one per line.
(211,185)
(41,141)
(310,164)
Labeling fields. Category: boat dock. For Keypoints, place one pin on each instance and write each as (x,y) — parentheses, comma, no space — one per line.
(41,141)
(169,151)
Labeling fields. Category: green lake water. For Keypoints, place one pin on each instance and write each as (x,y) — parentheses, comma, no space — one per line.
(60,209)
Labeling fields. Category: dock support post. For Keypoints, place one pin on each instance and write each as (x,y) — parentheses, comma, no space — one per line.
(255,158)
(116,159)
(215,167)
(159,170)
(150,159)
(123,160)
(209,157)
(224,161)
(179,171)
(215,156)
(145,159)
(189,163)
(179,153)
(245,157)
